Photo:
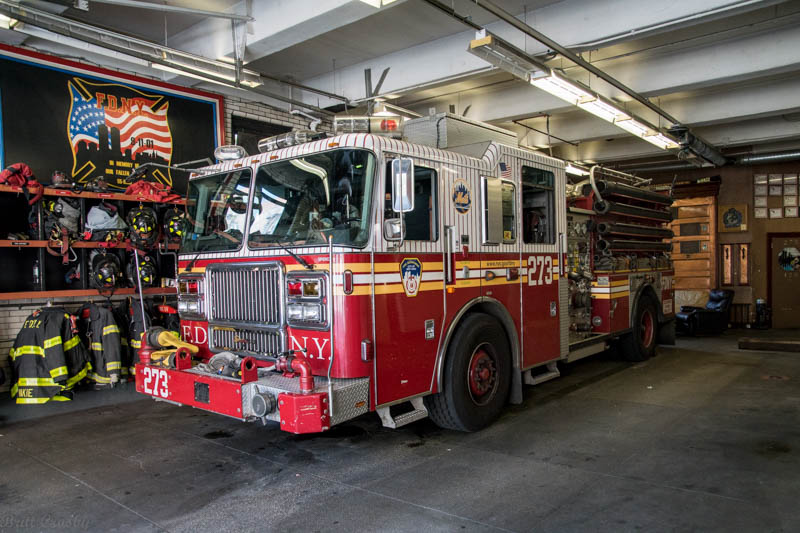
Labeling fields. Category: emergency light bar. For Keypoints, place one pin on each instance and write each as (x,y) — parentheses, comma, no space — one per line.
(291,138)
(387,125)
(227,152)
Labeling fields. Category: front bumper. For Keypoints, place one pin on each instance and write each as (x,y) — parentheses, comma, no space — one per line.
(245,399)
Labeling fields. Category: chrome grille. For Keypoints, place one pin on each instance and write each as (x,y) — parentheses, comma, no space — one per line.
(246,293)
(245,341)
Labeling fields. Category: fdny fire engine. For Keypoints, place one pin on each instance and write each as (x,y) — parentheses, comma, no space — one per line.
(426,269)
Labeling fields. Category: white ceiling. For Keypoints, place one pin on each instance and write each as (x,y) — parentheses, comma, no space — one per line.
(730,69)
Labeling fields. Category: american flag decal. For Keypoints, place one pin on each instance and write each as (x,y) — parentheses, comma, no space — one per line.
(505,172)
(114,128)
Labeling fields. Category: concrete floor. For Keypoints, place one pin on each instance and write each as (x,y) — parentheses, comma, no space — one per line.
(702,438)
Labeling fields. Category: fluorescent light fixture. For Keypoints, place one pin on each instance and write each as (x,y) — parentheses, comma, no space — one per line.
(7,23)
(561,88)
(517,62)
(377,4)
(503,55)
(576,171)
(176,70)
(576,95)
(603,110)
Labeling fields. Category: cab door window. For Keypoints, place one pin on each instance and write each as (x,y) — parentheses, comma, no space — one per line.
(421,224)
(538,206)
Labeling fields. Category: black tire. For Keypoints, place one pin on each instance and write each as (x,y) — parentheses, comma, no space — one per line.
(470,401)
(640,343)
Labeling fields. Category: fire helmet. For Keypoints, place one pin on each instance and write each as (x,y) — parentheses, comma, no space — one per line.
(143,226)
(106,270)
(147,270)
(174,225)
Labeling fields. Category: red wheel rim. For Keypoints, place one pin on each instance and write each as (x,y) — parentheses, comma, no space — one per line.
(647,328)
(481,375)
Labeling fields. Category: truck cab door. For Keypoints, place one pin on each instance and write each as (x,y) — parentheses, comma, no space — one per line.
(543,303)
(409,283)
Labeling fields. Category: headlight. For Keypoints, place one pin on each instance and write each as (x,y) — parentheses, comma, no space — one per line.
(306,299)
(304,312)
(189,306)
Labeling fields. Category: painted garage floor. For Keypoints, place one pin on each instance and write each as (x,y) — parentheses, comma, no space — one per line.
(704,437)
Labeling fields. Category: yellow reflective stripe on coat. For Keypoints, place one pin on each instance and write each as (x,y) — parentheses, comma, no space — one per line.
(49,343)
(136,344)
(76,378)
(99,379)
(73,342)
(37,382)
(113,365)
(97,346)
(33,400)
(108,330)
(60,371)
(13,390)
(24,350)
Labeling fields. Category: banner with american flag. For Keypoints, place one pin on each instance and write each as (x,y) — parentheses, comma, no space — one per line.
(114,128)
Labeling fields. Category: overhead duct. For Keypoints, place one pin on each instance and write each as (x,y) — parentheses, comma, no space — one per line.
(691,144)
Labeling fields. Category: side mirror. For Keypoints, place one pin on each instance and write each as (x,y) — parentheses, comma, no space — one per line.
(402,185)
(392,229)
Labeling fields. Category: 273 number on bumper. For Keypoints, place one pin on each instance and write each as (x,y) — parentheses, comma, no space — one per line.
(156,382)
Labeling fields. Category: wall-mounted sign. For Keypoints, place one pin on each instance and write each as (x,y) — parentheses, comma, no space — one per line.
(91,122)
(733,217)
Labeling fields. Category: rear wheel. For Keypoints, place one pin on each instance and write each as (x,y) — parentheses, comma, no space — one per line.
(640,343)
(477,376)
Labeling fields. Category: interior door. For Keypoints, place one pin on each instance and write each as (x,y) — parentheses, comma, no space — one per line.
(785,280)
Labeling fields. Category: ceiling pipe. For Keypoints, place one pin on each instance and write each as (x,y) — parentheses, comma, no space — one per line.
(137,48)
(708,152)
(768,158)
(174,9)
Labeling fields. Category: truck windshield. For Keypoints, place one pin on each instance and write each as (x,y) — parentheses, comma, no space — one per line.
(304,201)
(216,209)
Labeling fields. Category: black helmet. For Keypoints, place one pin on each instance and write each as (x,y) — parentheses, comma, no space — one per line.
(144,228)
(106,270)
(147,270)
(174,225)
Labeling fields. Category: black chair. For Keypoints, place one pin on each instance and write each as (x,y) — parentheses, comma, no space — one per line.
(709,320)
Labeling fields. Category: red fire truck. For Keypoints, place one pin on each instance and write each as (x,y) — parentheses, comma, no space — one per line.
(431,275)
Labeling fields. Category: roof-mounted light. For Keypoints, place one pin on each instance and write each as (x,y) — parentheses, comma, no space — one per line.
(284,140)
(228,152)
(384,124)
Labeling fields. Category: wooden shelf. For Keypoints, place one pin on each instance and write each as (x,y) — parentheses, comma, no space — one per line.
(155,291)
(5,243)
(49,191)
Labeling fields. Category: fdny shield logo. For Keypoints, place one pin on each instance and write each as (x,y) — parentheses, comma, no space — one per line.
(462,199)
(411,274)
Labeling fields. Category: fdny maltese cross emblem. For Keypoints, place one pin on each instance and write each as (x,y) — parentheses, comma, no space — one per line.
(411,274)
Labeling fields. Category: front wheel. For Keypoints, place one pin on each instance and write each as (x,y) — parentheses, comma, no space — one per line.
(477,376)
(640,343)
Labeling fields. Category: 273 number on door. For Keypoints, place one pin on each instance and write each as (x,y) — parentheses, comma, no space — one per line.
(540,270)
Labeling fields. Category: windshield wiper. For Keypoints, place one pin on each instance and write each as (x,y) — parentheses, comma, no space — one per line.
(296,257)
(200,250)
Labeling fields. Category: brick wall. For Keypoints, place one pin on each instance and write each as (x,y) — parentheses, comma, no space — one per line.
(265,113)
